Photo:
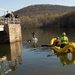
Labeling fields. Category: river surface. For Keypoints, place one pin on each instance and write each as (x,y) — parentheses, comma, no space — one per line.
(23,58)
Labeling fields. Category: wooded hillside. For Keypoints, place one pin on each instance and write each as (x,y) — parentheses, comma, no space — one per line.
(46,16)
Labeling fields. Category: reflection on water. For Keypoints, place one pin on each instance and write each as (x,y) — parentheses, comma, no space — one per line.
(39,60)
(44,36)
(67,59)
(10,57)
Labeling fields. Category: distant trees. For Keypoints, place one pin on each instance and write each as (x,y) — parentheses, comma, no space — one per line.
(46,16)
(45,20)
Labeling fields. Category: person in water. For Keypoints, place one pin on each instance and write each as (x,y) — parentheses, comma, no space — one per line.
(63,40)
(57,42)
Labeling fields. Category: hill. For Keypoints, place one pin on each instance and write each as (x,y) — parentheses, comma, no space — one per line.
(42,9)
(45,16)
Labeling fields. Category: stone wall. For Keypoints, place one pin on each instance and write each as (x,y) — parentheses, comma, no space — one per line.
(14,32)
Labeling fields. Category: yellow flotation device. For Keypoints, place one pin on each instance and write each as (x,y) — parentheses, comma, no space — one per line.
(69,47)
(52,41)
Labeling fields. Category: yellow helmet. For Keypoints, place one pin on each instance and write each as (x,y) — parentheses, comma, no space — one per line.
(63,33)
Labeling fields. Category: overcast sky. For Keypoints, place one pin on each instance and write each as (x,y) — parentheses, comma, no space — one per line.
(13,5)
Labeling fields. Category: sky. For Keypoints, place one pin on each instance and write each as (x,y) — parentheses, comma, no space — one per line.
(14,5)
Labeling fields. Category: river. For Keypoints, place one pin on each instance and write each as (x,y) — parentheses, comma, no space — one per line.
(23,58)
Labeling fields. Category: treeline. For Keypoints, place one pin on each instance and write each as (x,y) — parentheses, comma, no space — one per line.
(41,21)
(45,16)
(67,20)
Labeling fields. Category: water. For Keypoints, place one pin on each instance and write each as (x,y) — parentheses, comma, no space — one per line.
(22,58)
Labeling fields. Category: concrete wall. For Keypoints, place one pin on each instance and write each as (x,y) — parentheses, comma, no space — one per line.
(14,32)
(11,33)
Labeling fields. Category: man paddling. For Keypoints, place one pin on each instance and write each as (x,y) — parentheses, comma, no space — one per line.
(63,40)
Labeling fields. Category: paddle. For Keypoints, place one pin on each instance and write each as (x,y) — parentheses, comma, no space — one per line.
(46,45)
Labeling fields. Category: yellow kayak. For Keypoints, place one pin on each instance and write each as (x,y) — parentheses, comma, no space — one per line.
(69,47)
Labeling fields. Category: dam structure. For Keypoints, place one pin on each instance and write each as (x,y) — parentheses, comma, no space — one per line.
(10,29)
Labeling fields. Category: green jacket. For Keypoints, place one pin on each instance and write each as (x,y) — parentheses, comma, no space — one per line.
(64,40)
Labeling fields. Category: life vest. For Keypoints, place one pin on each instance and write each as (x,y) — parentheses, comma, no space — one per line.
(64,40)
(57,42)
